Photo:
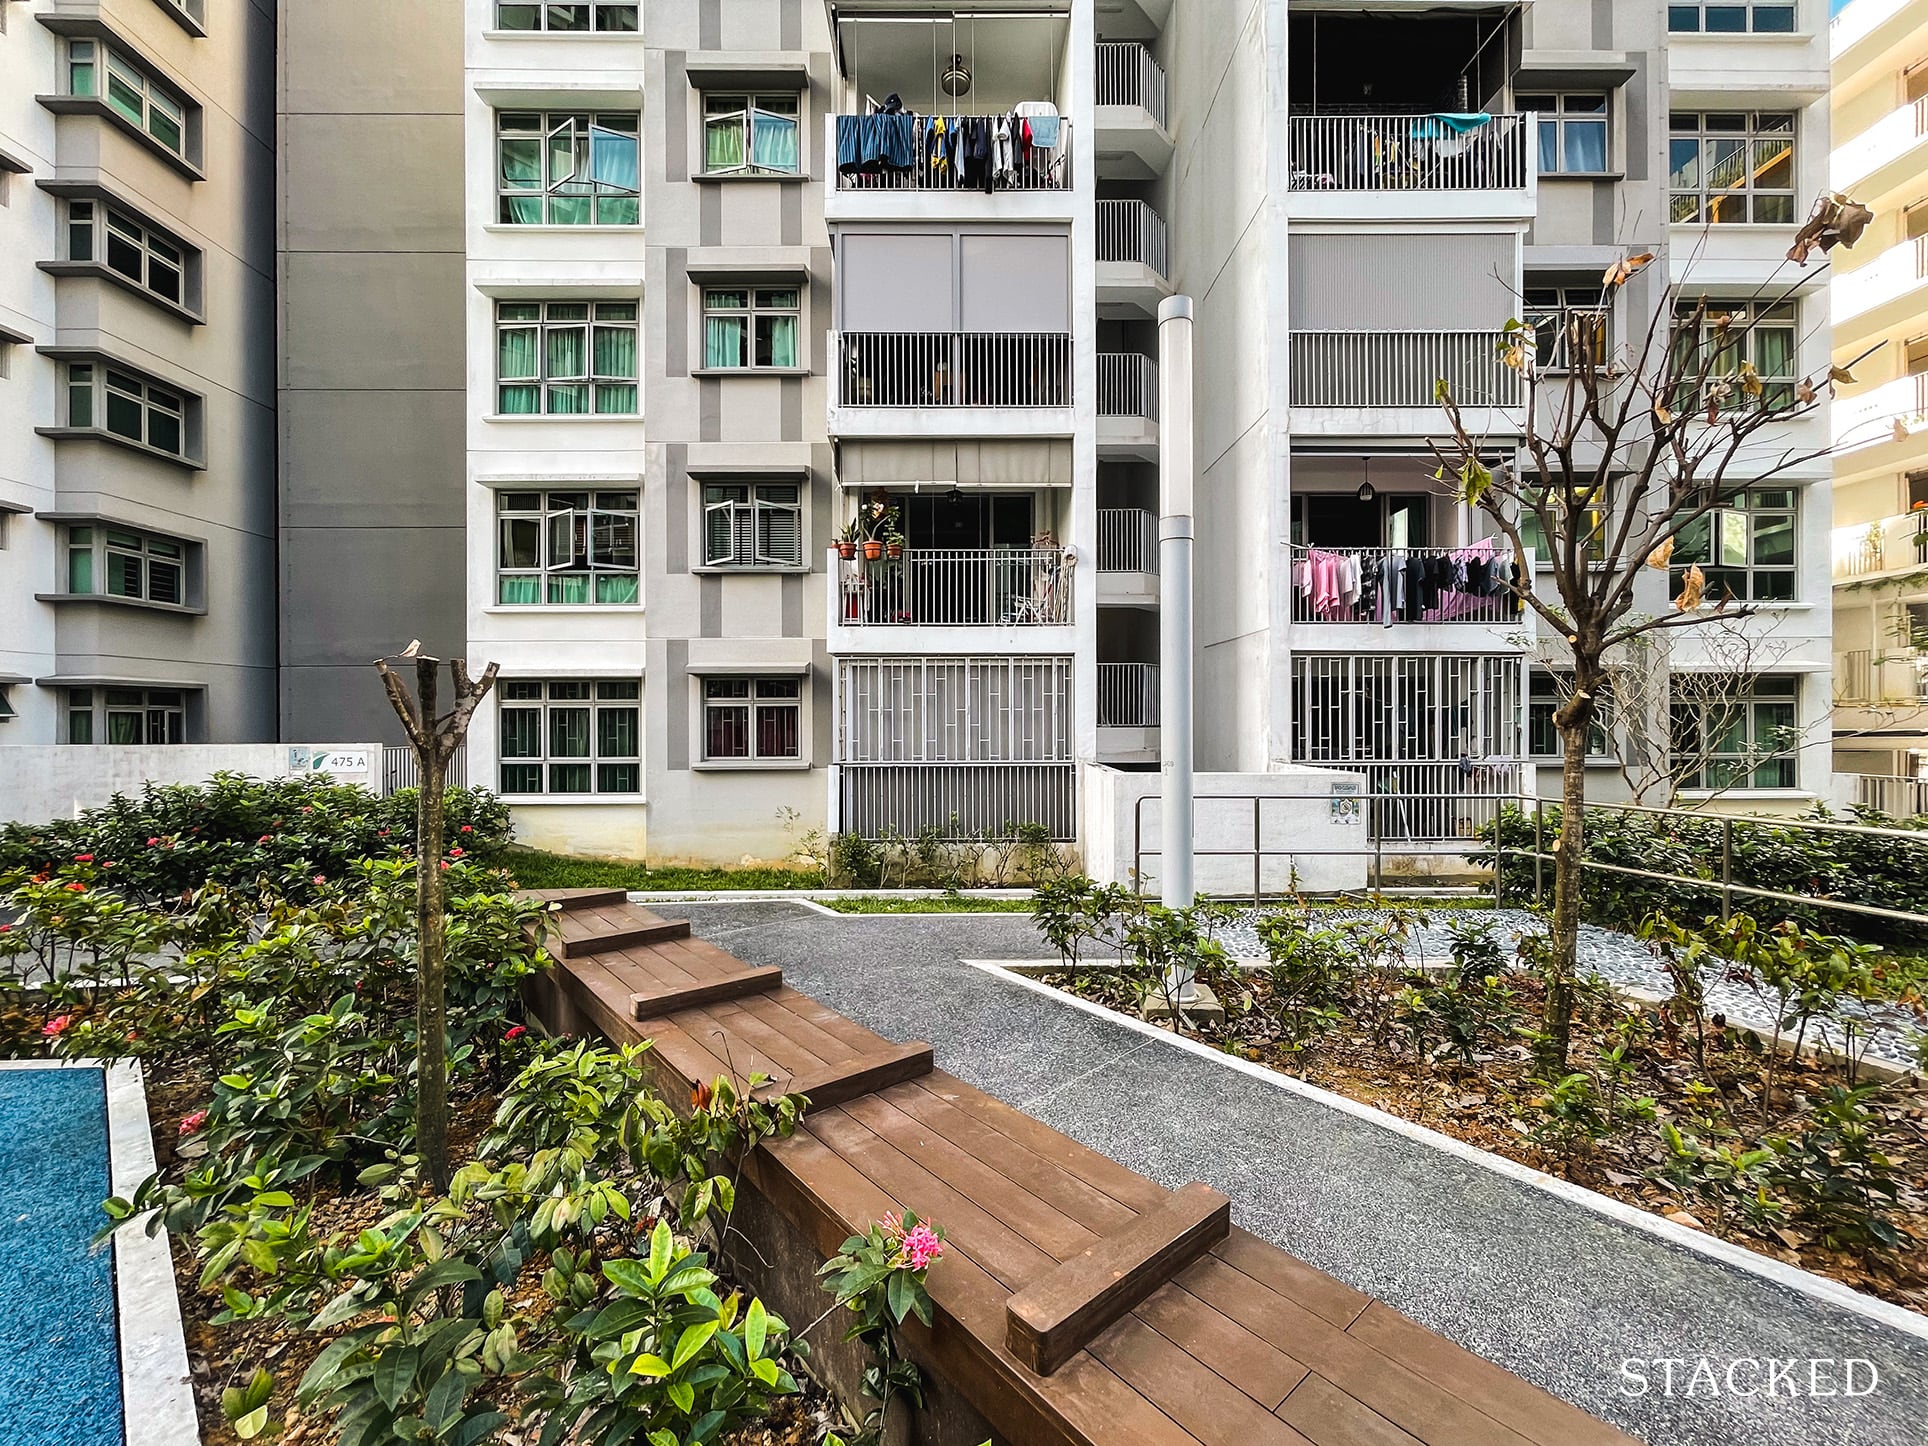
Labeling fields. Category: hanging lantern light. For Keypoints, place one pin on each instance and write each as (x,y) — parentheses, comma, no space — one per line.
(957,76)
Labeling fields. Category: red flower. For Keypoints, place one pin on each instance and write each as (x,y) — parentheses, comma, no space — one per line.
(455,853)
(83,858)
(6,928)
(381,833)
(56,1025)
(466,829)
(264,838)
(193,1122)
(445,863)
(516,1031)
(307,808)
(153,842)
(76,888)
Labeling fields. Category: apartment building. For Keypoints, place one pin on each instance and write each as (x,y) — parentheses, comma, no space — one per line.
(1880,553)
(137,442)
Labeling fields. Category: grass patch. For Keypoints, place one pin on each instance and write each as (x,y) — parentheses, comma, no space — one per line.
(534,869)
(948,904)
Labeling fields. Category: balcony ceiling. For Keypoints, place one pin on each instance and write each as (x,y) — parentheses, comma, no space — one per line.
(1010,56)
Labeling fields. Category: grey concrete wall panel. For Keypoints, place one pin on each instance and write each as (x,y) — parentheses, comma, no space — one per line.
(360,316)
(365,591)
(1016,283)
(1355,283)
(349,456)
(379,183)
(330,43)
(676,714)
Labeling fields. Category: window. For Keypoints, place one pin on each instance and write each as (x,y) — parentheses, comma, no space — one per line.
(566,548)
(96,232)
(1746,547)
(130,406)
(1763,336)
(1914,355)
(750,328)
(750,134)
(1732,19)
(1546,691)
(1593,516)
(746,720)
(571,737)
(1572,130)
(1732,168)
(1914,220)
(116,562)
(100,70)
(568,169)
(1736,732)
(7,713)
(753,524)
(566,358)
(607,15)
(1565,318)
(1914,83)
(126,715)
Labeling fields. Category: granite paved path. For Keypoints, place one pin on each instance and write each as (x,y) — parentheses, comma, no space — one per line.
(1536,1283)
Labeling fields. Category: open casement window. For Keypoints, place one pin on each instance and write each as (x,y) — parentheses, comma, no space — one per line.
(1732,168)
(1732,17)
(584,16)
(1592,516)
(1737,732)
(751,134)
(747,720)
(753,524)
(566,358)
(569,168)
(1564,320)
(567,549)
(1572,132)
(1746,547)
(1765,336)
(1547,691)
(117,562)
(570,736)
(751,328)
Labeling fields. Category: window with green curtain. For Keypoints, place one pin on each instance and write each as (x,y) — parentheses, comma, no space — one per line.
(123,727)
(774,141)
(776,341)
(519,591)
(723,338)
(80,559)
(617,588)
(569,168)
(615,367)
(723,148)
(516,365)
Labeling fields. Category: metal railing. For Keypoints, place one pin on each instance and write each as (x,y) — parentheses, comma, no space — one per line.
(1132,231)
(1889,544)
(1854,676)
(1892,794)
(958,587)
(1128,695)
(1127,75)
(1403,584)
(1871,417)
(952,369)
(1407,153)
(1127,539)
(958,798)
(936,166)
(1435,805)
(1127,385)
(400,769)
(1401,369)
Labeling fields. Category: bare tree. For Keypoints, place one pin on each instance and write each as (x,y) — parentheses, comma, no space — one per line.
(434,737)
(1629,449)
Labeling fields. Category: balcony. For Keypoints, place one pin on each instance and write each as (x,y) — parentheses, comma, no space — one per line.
(1409,597)
(1127,406)
(913,174)
(1022,594)
(1891,412)
(1354,383)
(1127,556)
(958,799)
(1885,155)
(1883,293)
(1874,549)
(1128,695)
(1134,269)
(951,383)
(1426,167)
(1133,142)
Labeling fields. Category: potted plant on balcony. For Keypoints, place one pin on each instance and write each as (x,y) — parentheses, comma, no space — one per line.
(848,540)
(1920,511)
(878,522)
(894,544)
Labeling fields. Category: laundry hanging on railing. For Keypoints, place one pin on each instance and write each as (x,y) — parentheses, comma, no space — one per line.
(972,152)
(1411,585)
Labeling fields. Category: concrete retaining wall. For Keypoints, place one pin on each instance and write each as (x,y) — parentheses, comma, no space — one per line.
(38,783)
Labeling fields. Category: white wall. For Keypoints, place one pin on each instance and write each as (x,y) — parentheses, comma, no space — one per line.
(57,781)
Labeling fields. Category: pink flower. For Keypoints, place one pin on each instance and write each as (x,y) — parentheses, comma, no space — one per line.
(153,843)
(466,829)
(516,1031)
(307,808)
(6,928)
(264,838)
(455,853)
(381,833)
(321,878)
(56,1026)
(83,858)
(922,1248)
(193,1122)
(445,863)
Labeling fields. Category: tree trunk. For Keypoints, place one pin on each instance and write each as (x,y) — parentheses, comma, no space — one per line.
(431,998)
(1569,850)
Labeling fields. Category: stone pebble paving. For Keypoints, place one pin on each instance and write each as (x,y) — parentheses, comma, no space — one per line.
(1622,960)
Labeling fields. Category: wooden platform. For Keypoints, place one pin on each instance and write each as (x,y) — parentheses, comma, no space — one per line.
(1155,1323)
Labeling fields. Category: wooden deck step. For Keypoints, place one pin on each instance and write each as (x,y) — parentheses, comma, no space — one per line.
(659,1003)
(579,898)
(595,930)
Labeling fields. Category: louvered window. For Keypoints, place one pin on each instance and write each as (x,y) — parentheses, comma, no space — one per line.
(753,524)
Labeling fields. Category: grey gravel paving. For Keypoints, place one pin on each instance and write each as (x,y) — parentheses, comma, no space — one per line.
(1538,1284)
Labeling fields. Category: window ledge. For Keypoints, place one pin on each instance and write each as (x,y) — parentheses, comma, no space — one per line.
(111,600)
(103,272)
(761,569)
(557,610)
(520,417)
(750,371)
(753,765)
(1710,794)
(184,18)
(573,800)
(93,105)
(573,37)
(730,178)
(115,439)
(544,229)
(1546,176)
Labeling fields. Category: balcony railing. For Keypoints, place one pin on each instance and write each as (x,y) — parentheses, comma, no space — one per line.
(1401,369)
(1388,585)
(1854,676)
(1874,416)
(1127,385)
(934,165)
(1127,695)
(1407,153)
(1895,796)
(1127,75)
(1127,540)
(1891,544)
(958,588)
(1132,231)
(1889,276)
(960,799)
(1434,803)
(952,369)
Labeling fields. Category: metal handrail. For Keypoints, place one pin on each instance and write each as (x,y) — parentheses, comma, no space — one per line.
(1127,385)
(1127,75)
(1402,369)
(1407,153)
(1132,231)
(1127,539)
(933,168)
(952,368)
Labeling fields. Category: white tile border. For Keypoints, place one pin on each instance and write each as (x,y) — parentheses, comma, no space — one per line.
(157,1396)
(1805,1282)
